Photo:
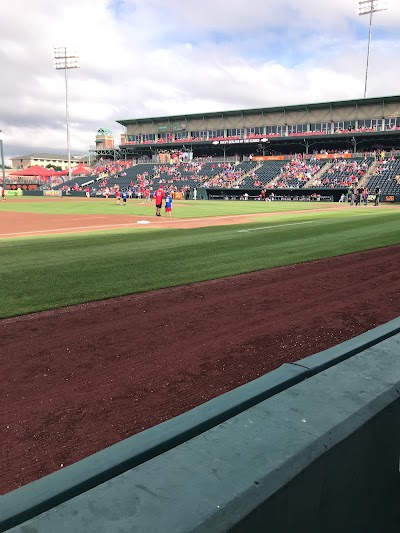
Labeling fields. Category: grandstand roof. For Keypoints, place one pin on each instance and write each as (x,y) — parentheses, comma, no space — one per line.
(291,108)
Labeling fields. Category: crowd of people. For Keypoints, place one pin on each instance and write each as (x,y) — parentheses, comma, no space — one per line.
(183,175)
(295,174)
(343,173)
(202,173)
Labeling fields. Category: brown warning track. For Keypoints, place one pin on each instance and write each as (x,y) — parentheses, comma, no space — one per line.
(79,379)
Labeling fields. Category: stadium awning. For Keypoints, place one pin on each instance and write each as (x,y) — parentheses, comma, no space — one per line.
(80,170)
(33,171)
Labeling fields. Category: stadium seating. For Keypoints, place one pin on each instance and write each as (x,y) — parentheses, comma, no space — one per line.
(387,177)
(199,174)
(138,174)
(343,173)
(297,174)
(268,171)
(294,174)
(75,183)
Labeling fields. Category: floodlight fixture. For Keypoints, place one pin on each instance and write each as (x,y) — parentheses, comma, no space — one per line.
(369,7)
(65,59)
(365,7)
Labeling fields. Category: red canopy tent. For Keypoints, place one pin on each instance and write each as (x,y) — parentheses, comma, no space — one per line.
(80,170)
(33,171)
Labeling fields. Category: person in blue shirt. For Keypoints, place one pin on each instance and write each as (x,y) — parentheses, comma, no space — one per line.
(124,197)
(168,205)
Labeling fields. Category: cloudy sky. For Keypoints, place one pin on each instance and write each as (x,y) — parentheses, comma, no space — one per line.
(142,58)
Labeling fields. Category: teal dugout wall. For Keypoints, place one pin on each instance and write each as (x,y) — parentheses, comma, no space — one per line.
(320,455)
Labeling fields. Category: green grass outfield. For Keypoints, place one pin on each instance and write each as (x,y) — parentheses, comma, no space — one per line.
(48,272)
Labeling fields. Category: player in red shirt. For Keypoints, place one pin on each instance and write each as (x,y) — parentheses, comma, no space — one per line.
(118,196)
(159,196)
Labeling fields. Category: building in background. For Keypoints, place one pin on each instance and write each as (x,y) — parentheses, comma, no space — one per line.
(104,139)
(43,160)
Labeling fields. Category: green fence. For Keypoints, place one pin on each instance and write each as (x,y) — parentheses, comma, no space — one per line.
(311,447)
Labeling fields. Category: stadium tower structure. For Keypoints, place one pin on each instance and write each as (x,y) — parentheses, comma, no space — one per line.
(354,125)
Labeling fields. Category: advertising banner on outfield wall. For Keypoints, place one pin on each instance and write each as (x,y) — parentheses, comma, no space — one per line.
(52,193)
(22,186)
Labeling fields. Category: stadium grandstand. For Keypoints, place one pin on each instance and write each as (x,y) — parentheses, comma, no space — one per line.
(314,147)
(353,125)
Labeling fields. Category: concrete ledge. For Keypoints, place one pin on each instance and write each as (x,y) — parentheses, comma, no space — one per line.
(321,456)
(51,491)
(328,358)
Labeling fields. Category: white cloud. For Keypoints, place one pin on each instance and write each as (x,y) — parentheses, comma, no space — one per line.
(151,58)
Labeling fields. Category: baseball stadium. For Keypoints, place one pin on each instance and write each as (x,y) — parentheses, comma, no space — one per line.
(231,367)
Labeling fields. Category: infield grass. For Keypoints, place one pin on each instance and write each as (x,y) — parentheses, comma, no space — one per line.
(41,273)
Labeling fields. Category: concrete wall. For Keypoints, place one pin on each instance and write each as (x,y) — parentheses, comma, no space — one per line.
(320,456)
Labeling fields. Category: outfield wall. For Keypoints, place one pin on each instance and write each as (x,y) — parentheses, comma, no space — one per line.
(330,195)
(327,195)
(236,194)
(313,446)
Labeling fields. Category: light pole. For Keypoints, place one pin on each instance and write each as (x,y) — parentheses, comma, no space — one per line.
(369,7)
(64,60)
(2,161)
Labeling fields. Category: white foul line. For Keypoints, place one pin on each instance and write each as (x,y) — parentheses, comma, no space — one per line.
(276,226)
(60,230)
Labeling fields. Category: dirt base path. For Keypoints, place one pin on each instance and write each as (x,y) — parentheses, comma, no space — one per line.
(15,224)
(79,379)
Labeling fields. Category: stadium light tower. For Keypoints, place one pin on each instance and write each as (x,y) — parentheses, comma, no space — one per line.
(369,7)
(64,60)
(2,160)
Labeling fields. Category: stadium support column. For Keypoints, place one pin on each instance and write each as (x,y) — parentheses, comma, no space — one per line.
(369,7)
(2,160)
(64,60)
